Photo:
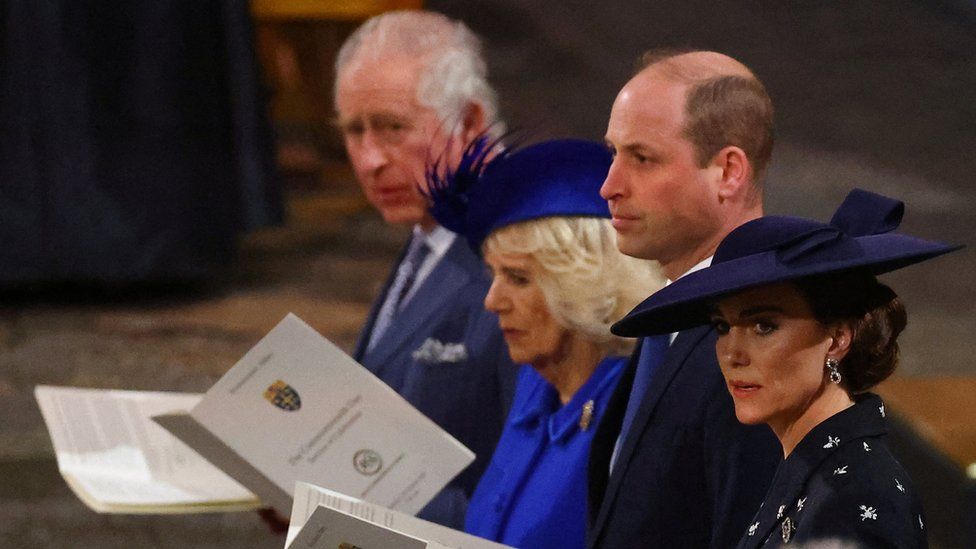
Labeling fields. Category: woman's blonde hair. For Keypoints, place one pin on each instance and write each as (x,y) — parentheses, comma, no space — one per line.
(587,283)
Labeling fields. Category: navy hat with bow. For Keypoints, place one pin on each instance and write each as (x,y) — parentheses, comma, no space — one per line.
(780,248)
(485,193)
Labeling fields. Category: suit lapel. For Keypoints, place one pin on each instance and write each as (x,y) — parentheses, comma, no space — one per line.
(674,360)
(442,285)
(601,448)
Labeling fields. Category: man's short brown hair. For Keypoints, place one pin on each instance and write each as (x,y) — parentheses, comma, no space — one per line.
(722,110)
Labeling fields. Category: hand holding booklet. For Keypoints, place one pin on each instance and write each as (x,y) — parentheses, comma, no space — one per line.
(322,518)
(294,408)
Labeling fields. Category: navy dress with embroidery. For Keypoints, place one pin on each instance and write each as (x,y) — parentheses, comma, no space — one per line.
(533,494)
(841,483)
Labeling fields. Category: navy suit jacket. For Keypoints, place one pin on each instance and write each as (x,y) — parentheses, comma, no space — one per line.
(688,474)
(469,398)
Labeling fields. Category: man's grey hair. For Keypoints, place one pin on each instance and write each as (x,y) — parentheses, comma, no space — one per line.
(454,74)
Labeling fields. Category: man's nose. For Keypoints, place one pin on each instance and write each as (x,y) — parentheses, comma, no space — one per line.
(612,187)
(372,153)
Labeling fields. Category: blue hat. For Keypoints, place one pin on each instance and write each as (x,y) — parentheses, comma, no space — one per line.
(552,178)
(781,248)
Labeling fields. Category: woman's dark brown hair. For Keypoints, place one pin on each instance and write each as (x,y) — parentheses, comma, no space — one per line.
(876,317)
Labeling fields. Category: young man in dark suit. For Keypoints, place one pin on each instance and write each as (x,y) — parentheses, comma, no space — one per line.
(410,89)
(670,466)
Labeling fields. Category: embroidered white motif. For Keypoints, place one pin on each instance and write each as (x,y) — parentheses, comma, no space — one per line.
(920,524)
(832,442)
(779,514)
(788,527)
(799,504)
(753,528)
(841,470)
(866,447)
(434,350)
(881,409)
(899,486)
(869,513)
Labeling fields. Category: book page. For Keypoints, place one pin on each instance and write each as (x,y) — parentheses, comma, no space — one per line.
(308,499)
(328,529)
(297,408)
(108,448)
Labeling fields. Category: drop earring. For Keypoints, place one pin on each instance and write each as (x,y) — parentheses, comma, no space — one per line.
(834,374)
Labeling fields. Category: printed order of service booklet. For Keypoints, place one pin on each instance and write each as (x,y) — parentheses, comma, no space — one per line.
(326,519)
(294,408)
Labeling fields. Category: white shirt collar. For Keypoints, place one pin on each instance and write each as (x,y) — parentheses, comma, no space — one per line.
(704,263)
(438,240)
(707,262)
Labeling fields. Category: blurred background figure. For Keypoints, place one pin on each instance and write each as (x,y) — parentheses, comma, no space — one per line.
(135,141)
(558,282)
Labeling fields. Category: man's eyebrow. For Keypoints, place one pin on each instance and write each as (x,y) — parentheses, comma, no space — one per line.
(637,147)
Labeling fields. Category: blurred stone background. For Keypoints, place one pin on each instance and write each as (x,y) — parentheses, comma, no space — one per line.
(872,94)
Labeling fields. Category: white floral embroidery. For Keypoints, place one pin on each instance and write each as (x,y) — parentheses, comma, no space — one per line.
(832,442)
(920,523)
(753,528)
(881,409)
(788,528)
(841,470)
(779,514)
(866,447)
(799,504)
(869,513)
(899,486)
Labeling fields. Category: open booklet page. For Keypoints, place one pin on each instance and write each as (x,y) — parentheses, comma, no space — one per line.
(297,408)
(328,529)
(117,460)
(317,512)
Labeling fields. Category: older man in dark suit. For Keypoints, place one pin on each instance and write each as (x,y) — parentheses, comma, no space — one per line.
(670,466)
(410,89)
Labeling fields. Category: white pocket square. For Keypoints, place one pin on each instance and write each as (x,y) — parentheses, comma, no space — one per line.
(434,350)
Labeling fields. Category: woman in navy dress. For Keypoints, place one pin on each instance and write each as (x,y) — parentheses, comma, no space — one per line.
(805,330)
(558,282)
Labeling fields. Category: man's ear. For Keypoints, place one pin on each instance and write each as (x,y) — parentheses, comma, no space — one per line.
(473,122)
(731,166)
(841,336)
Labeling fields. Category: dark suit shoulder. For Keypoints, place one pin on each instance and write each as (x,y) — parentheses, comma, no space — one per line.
(693,475)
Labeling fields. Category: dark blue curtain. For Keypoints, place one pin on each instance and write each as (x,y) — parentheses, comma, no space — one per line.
(134,144)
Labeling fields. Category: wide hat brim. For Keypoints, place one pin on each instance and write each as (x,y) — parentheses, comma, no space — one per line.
(687,302)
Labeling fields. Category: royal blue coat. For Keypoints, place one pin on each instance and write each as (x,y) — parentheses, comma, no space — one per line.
(533,494)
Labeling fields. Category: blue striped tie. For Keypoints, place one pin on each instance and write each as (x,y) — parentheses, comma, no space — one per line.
(406,276)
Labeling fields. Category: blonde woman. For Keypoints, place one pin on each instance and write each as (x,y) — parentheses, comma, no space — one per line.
(558,282)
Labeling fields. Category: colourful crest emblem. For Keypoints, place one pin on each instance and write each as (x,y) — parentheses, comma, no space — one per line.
(283,396)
